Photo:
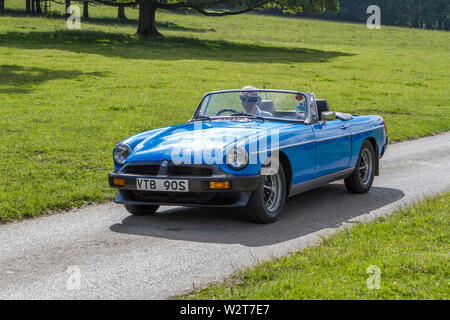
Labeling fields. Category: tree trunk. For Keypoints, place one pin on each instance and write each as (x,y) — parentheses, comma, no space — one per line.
(85,9)
(2,5)
(38,7)
(67,6)
(147,24)
(28,6)
(33,6)
(121,13)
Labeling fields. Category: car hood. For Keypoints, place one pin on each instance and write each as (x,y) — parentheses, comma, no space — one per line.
(204,136)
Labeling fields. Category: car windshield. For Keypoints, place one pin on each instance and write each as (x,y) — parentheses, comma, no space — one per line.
(254,103)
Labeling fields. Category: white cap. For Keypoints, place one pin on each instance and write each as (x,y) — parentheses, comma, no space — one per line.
(249,94)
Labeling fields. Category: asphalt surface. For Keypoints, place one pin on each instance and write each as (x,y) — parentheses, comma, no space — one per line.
(103,252)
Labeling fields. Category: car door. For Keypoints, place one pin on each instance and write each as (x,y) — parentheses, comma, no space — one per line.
(299,146)
(333,145)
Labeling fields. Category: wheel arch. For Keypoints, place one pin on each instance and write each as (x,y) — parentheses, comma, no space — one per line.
(286,163)
(374,144)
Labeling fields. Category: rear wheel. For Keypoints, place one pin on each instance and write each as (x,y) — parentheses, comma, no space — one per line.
(268,199)
(362,178)
(141,210)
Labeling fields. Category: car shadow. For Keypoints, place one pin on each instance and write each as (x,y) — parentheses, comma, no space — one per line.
(326,207)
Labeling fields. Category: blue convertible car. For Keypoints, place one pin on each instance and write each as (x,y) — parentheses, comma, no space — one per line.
(248,148)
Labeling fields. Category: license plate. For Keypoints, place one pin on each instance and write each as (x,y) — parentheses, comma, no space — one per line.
(162,185)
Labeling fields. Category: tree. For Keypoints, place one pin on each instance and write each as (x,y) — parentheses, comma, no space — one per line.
(216,8)
(85,9)
(2,5)
(430,14)
(121,13)
(36,7)
(67,6)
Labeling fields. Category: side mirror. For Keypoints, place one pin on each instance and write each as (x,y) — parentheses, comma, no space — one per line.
(328,116)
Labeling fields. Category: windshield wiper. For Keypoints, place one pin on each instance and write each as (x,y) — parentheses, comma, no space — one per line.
(243,114)
(202,117)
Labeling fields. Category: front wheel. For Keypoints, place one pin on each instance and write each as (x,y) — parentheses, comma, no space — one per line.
(361,179)
(141,210)
(268,199)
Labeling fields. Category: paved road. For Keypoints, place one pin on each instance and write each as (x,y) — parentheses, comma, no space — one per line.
(121,256)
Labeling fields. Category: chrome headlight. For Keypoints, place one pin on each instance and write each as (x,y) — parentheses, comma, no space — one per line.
(237,157)
(121,153)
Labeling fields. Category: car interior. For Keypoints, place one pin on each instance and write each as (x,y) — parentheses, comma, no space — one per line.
(322,106)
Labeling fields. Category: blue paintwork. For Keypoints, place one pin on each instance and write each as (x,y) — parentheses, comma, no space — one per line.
(313,150)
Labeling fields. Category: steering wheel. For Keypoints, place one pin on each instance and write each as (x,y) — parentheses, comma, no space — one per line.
(226,110)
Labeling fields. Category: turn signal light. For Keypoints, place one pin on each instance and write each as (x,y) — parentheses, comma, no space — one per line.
(385,127)
(219,185)
(119,182)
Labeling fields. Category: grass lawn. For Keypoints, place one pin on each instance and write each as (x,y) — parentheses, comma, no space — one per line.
(67,97)
(411,248)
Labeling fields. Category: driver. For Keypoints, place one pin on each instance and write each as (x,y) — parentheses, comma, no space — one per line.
(250,100)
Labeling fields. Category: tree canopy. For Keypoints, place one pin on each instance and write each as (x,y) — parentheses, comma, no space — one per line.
(147,8)
(430,14)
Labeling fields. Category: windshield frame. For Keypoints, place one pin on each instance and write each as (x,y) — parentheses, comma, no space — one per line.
(197,115)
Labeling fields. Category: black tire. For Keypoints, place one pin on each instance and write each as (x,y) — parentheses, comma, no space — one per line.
(141,210)
(360,181)
(257,209)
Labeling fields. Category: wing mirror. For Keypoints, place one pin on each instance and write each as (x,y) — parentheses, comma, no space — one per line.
(328,116)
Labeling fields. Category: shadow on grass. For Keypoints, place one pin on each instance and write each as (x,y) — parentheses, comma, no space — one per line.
(19,79)
(108,21)
(160,25)
(170,48)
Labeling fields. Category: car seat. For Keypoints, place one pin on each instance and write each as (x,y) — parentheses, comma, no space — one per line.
(267,105)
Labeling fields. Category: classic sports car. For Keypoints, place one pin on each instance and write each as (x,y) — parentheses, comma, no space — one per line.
(248,148)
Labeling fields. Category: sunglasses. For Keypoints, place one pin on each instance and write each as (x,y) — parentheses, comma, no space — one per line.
(250,99)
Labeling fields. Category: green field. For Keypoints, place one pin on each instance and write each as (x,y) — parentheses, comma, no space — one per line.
(67,97)
(410,247)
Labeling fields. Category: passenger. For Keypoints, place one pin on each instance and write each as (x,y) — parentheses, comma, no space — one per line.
(300,109)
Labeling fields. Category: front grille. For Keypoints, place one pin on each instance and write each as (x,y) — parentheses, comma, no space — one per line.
(180,170)
(172,170)
(150,169)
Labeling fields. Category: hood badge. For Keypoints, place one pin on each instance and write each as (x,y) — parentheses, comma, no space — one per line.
(164,163)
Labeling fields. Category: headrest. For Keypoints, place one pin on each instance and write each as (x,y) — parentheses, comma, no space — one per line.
(267,105)
(322,106)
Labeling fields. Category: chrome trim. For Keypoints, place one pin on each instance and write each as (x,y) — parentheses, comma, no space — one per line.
(311,184)
(310,141)
(365,171)
(272,192)
(129,149)
(337,137)
(284,147)
(328,116)
(297,144)
(256,89)
(307,95)
(374,128)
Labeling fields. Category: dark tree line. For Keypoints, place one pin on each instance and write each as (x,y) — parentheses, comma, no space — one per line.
(86,3)
(215,8)
(34,7)
(429,14)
